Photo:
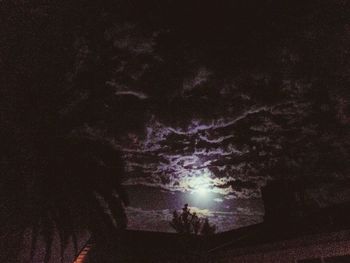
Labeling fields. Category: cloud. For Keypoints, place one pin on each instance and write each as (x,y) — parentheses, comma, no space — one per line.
(201,148)
(201,76)
(139,95)
(123,90)
(135,43)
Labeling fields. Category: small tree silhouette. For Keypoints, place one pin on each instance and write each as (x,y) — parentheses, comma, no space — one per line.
(190,223)
(207,228)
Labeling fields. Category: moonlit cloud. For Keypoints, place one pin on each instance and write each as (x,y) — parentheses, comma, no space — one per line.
(201,76)
(214,158)
(139,95)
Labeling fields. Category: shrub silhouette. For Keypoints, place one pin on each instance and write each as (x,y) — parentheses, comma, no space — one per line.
(189,223)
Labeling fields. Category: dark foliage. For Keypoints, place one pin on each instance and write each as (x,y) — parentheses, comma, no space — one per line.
(189,223)
(55,176)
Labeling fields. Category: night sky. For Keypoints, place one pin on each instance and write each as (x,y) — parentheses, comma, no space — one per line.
(207,101)
(231,95)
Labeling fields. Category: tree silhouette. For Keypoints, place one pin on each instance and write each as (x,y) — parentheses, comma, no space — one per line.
(75,186)
(189,223)
(55,176)
(207,228)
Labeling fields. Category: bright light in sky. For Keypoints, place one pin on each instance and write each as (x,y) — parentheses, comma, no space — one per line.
(200,183)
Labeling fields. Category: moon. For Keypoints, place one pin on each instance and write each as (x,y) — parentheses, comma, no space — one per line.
(200,184)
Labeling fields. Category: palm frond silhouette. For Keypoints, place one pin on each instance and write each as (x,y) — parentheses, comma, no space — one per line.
(69,178)
(52,182)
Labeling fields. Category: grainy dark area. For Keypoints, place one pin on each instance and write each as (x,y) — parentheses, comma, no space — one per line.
(199,102)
